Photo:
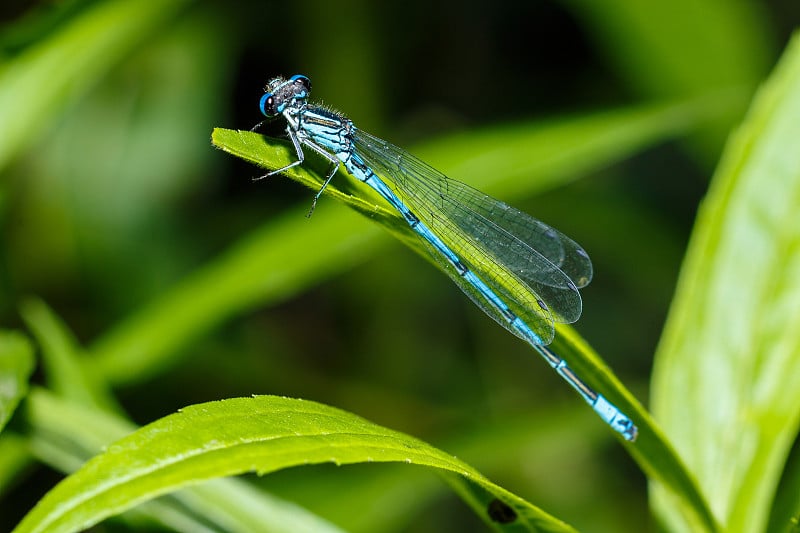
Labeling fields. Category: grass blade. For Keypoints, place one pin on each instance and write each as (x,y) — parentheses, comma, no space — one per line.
(16,366)
(254,272)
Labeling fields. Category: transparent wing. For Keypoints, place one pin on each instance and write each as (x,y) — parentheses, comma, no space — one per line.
(502,243)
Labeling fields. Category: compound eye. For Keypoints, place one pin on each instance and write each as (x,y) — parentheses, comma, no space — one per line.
(302,80)
(267,105)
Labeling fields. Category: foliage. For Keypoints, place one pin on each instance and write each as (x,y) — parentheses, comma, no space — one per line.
(144,273)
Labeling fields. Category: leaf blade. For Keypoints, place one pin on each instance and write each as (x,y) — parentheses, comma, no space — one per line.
(236,281)
(39,82)
(65,434)
(16,366)
(727,349)
(229,437)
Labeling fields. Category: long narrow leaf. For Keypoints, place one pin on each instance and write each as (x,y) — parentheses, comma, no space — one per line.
(523,160)
(653,453)
(16,365)
(683,48)
(61,357)
(41,80)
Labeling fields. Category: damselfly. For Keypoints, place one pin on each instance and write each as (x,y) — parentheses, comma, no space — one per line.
(521,272)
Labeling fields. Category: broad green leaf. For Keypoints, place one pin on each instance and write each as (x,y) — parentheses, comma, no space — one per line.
(229,437)
(726,381)
(16,365)
(39,82)
(66,434)
(522,437)
(255,272)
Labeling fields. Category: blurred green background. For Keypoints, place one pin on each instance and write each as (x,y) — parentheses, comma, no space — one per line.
(111,198)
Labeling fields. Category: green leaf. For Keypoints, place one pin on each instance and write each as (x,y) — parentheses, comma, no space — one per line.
(15,458)
(726,381)
(16,366)
(39,82)
(61,357)
(273,153)
(66,434)
(520,160)
(252,273)
(685,48)
(652,451)
(524,160)
(786,507)
(681,48)
(261,434)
